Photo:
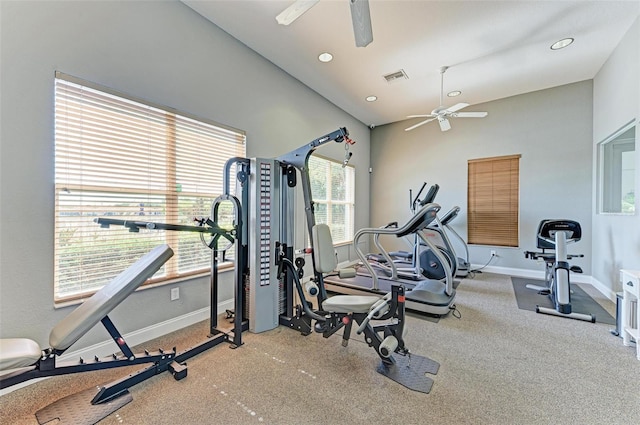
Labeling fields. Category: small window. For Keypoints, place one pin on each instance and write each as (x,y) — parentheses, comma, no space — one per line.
(617,172)
(333,193)
(127,160)
(492,200)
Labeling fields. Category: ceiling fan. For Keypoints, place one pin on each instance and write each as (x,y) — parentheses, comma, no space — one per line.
(360,16)
(443,114)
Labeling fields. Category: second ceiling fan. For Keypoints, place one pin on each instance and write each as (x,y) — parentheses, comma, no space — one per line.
(443,114)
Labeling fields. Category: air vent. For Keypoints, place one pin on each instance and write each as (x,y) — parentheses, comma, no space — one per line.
(395,76)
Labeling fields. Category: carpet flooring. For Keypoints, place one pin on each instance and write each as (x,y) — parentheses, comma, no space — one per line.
(498,365)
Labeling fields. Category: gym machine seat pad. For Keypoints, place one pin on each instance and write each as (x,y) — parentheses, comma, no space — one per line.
(350,303)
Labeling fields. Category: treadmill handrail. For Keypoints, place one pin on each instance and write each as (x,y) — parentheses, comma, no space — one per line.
(418,222)
(450,215)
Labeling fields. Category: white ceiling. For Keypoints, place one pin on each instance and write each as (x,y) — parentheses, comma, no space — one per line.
(495,49)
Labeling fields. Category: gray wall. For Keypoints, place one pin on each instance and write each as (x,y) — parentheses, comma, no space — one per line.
(160,51)
(551,129)
(616,101)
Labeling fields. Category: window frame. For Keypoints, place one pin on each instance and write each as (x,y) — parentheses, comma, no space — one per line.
(172,193)
(349,202)
(610,172)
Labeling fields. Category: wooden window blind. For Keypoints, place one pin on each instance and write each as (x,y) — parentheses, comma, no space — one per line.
(124,159)
(492,200)
(333,192)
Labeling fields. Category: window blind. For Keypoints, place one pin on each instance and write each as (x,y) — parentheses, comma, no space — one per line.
(120,158)
(493,198)
(333,192)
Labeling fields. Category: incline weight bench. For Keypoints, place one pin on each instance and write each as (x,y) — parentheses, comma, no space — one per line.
(23,359)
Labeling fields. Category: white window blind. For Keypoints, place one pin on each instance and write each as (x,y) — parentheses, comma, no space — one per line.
(333,192)
(122,159)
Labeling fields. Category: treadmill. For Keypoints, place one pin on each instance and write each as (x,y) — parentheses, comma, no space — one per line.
(429,296)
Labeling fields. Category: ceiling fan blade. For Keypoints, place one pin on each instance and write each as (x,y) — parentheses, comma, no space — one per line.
(470,114)
(361,18)
(419,124)
(420,116)
(294,11)
(457,107)
(444,124)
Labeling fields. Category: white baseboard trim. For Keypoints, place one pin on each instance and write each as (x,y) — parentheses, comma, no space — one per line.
(539,274)
(140,336)
(606,291)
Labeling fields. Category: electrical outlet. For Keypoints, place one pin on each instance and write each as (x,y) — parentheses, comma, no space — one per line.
(494,253)
(175,294)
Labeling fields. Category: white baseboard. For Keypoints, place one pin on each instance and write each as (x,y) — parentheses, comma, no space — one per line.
(140,336)
(539,274)
(606,291)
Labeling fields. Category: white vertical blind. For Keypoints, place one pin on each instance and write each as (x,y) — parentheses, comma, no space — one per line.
(123,159)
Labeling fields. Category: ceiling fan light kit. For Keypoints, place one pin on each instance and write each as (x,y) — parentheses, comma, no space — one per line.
(442,114)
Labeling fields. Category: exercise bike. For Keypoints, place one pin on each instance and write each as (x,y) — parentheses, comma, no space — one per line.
(556,235)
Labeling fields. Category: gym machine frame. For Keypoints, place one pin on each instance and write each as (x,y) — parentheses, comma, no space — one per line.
(340,311)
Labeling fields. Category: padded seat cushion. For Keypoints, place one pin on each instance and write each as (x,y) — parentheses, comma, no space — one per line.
(18,352)
(349,303)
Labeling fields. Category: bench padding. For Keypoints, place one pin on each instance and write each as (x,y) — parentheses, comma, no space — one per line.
(89,313)
(323,251)
(349,303)
(18,352)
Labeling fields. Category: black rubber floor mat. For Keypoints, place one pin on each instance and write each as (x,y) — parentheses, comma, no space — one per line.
(581,302)
(411,371)
(77,409)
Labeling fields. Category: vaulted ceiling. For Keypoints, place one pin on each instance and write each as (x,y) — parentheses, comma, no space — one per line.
(494,49)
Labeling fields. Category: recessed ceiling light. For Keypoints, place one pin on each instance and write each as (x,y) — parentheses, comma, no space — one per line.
(325,57)
(371,98)
(561,44)
(454,93)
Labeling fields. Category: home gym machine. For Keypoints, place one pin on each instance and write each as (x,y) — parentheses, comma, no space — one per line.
(26,360)
(275,293)
(555,235)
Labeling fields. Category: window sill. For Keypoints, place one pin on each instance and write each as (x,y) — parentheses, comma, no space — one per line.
(623,214)
(176,280)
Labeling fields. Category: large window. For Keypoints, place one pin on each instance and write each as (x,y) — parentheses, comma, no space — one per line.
(492,199)
(332,189)
(120,158)
(617,172)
